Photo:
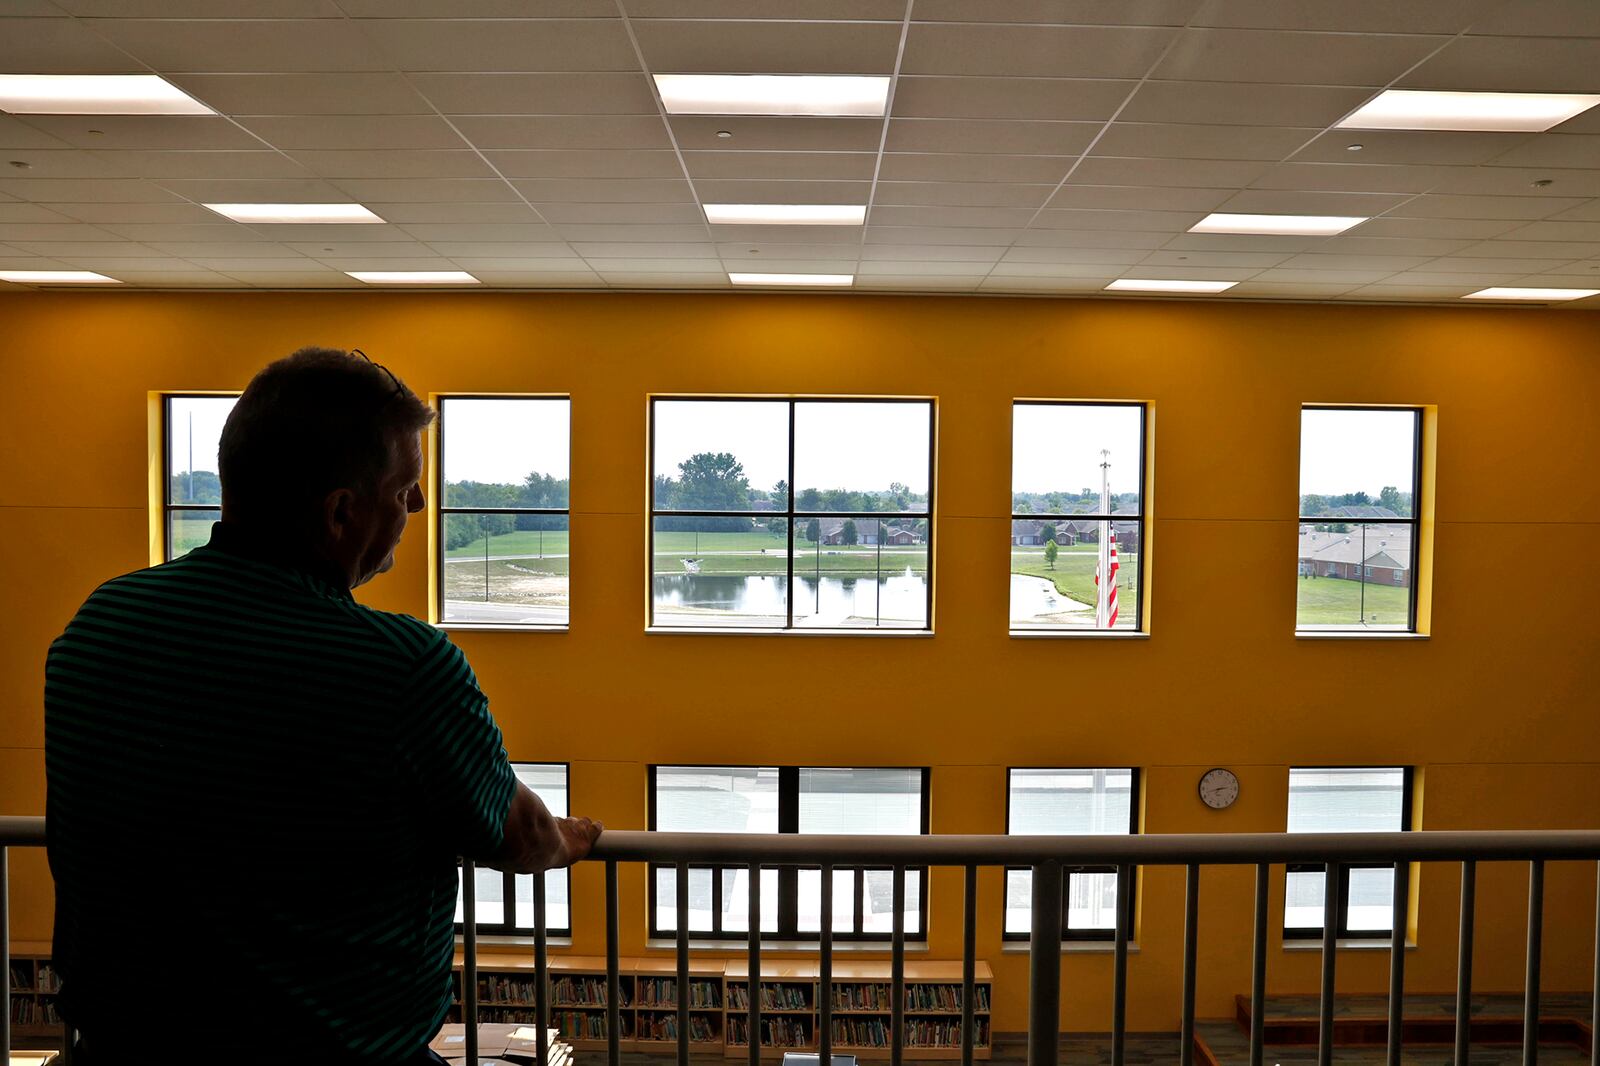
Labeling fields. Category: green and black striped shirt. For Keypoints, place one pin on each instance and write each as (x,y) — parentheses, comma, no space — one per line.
(257,792)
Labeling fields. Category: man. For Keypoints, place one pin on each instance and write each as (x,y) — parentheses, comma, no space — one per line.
(258,788)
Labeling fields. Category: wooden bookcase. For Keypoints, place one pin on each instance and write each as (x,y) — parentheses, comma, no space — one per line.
(33,992)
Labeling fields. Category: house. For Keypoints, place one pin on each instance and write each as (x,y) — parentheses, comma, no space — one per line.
(1381,556)
(833,530)
(899,535)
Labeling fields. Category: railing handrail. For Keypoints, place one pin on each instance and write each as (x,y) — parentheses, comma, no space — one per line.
(1150,849)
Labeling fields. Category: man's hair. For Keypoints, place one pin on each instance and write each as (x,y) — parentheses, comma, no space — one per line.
(318,420)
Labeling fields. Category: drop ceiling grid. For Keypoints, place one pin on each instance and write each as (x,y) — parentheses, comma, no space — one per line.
(991,112)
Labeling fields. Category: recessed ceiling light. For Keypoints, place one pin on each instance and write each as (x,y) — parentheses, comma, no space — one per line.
(308,213)
(1410,109)
(1302,225)
(792,279)
(57,277)
(773,94)
(1354,147)
(787,214)
(95,94)
(1145,285)
(413,277)
(1543,295)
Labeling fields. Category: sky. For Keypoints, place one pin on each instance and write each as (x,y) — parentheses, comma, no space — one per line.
(208,413)
(1056,447)
(857,446)
(1355,451)
(503,441)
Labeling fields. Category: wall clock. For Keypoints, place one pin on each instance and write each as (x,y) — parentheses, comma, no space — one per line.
(1219,788)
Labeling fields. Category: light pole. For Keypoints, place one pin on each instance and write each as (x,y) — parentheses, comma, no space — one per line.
(486,563)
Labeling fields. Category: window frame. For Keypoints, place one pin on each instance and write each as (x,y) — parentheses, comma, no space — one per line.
(1139,521)
(1342,890)
(788,877)
(168,508)
(789,514)
(441,511)
(1412,521)
(1069,934)
(509,926)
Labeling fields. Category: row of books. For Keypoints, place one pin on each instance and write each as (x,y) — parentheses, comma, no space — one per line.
(775,1032)
(34,1012)
(663,992)
(21,979)
(875,1032)
(584,992)
(665,1027)
(575,1026)
(918,997)
(773,997)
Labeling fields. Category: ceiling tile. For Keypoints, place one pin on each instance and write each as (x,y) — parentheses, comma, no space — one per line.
(172,213)
(67,251)
(960,194)
(1012,268)
(1352,277)
(1077,12)
(1385,246)
(1567,230)
(655,261)
(477,9)
(1134,198)
(1090,238)
(59,46)
(302,278)
(151,231)
(1306,290)
(794,166)
(1293,58)
(538,94)
(585,164)
(1190,272)
(1547,18)
(1398,289)
(1033,51)
(1555,149)
(1335,177)
(372,191)
(298,94)
(1433,228)
(919,283)
(1432,277)
(1294,202)
(1347,16)
(602,191)
(1175,141)
(194,279)
(498,249)
(1183,173)
(1241,242)
(1485,207)
(1319,260)
(327,233)
(656,214)
(394,164)
(15,212)
(279,259)
(209,254)
(243,191)
(13,232)
(1514,181)
(1103,256)
(502,45)
(122,266)
(552,263)
(1044,99)
(755,255)
(1237,260)
(599,232)
(1392,147)
(211,133)
(15,133)
(1012,169)
(265,165)
(772,236)
(923,267)
(620,280)
(404,214)
(361,250)
(564,131)
(468,231)
(1455,264)
(84,190)
(765,47)
(64,163)
(1509,64)
(1237,103)
(224,46)
(1004,136)
(786,265)
(998,217)
(419,262)
(733,191)
(973,236)
(519,279)
(229,9)
(354,132)
(855,10)
(790,133)
(1569,248)
(1045,286)
(1137,221)
(976,253)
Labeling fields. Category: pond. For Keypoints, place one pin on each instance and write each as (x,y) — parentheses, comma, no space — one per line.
(893,600)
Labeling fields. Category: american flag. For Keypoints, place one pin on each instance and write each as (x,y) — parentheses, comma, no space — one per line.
(1106,598)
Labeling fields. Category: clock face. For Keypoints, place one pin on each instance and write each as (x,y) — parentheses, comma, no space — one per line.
(1219,788)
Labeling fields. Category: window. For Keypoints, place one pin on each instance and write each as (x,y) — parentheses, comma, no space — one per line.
(1335,799)
(789,799)
(1065,802)
(503,510)
(193,497)
(549,781)
(1077,513)
(1358,495)
(732,547)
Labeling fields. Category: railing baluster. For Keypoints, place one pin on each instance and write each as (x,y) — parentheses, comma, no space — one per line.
(1530,995)
(1258,968)
(825,972)
(469,959)
(1400,909)
(613,968)
(1330,957)
(969,949)
(541,975)
(5,954)
(1044,966)
(897,969)
(754,942)
(683,962)
(1594,994)
(1191,940)
(1119,969)
(1469,883)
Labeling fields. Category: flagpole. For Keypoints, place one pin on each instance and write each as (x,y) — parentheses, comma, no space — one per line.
(1103,568)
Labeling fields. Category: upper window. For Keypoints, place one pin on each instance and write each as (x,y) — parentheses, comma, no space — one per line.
(733,547)
(1070,802)
(1077,516)
(549,781)
(1345,799)
(193,498)
(1358,526)
(503,510)
(789,799)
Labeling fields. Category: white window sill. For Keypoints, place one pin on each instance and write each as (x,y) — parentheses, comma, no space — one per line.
(1355,634)
(503,941)
(1075,634)
(712,631)
(1352,944)
(739,947)
(496,627)
(1071,947)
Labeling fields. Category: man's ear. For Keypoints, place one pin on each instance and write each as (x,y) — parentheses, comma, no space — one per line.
(337,513)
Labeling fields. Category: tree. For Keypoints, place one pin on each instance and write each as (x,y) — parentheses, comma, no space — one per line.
(841,500)
(1312,505)
(1050,551)
(1023,506)
(810,500)
(780,494)
(778,527)
(198,486)
(848,533)
(1390,497)
(712,481)
(814,531)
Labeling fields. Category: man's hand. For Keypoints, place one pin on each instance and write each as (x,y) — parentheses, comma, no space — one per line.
(535,840)
(577,837)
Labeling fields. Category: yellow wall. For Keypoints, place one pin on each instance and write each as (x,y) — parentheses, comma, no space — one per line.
(1498,707)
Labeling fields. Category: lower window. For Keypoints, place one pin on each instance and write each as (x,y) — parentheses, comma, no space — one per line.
(505,901)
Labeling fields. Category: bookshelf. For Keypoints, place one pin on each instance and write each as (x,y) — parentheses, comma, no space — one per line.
(33,992)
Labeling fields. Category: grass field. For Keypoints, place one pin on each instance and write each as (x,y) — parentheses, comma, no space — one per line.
(1074,572)
(522,542)
(1338,602)
(527,581)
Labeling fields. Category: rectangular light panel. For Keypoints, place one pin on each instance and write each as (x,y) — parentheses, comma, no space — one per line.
(792,279)
(1145,285)
(773,94)
(1542,295)
(787,214)
(57,277)
(1410,109)
(95,94)
(1287,225)
(413,277)
(288,213)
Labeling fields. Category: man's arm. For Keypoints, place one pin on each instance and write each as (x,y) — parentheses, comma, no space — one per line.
(535,840)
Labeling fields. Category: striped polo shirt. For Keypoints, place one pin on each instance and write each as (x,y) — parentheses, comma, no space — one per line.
(258,789)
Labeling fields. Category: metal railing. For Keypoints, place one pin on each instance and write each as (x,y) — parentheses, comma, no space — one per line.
(1048,858)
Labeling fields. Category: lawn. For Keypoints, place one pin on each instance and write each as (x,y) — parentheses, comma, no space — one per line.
(1074,571)
(536,581)
(1339,602)
(857,560)
(522,542)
